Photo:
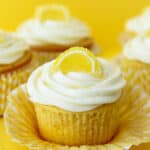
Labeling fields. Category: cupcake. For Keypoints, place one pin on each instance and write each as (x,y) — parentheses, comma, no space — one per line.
(75,98)
(139,25)
(135,61)
(53,30)
(16,63)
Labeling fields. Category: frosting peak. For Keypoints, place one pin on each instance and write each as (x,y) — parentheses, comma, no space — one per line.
(138,49)
(140,24)
(11,48)
(37,32)
(75,91)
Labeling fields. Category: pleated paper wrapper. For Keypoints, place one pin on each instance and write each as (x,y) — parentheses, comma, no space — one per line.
(72,128)
(135,72)
(134,122)
(12,79)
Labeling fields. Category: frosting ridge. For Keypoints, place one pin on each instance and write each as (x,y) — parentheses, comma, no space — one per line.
(138,49)
(11,48)
(140,24)
(37,32)
(75,91)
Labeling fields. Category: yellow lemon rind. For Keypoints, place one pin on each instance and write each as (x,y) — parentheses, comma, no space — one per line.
(96,68)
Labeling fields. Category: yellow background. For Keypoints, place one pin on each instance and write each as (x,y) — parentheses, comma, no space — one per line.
(105,17)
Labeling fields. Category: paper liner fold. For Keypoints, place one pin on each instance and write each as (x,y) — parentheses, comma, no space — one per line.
(135,72)
(12,79)
(134,112)
(72,128)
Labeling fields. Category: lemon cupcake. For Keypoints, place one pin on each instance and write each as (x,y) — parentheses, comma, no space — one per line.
(16,62)
(139,25)
(53,30)
(75,98)
(135,61)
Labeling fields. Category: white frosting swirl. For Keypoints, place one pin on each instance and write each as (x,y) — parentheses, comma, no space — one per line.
(75,91)
(11,48)
(138,49)
(140,24)
(38,32)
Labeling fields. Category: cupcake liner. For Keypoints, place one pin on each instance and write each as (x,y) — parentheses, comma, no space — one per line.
(136,72)
(134,122)
(12,79)
(70,128)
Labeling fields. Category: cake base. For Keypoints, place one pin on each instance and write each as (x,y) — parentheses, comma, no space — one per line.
(92,127)
(134,122)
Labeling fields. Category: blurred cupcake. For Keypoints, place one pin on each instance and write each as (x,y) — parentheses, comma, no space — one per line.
(16,63)
(139,25)
(76,98)
(53,30)
(135,61)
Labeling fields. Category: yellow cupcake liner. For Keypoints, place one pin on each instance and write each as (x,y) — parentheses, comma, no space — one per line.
(71,128)
(12,79)
(134,122)
(136,72)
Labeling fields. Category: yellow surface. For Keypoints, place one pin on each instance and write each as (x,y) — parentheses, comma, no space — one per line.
(105,17)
